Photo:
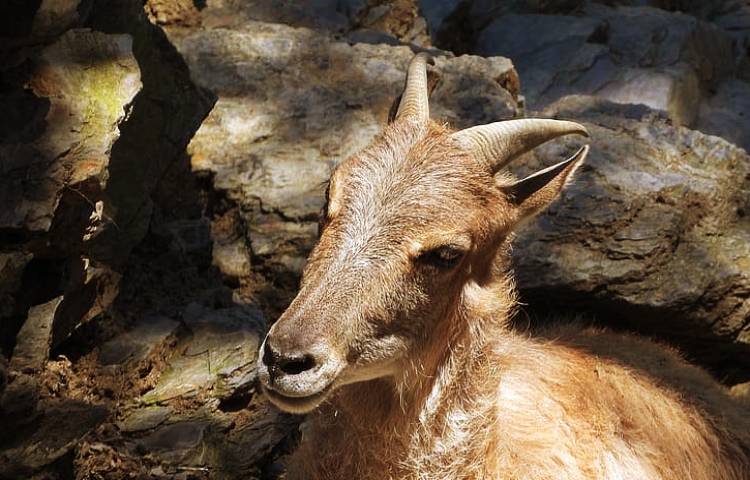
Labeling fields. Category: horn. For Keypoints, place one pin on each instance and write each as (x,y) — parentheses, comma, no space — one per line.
(497,144)
(414,99)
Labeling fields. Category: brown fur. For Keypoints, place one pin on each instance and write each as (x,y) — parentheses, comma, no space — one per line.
(429,380)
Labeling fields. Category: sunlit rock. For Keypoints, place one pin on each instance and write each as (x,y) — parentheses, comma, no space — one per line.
(293,103)
(654,231)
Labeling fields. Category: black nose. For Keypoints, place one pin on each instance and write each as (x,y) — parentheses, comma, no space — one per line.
(289,364)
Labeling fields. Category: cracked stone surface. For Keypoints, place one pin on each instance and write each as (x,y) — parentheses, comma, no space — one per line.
(218,355)
(293,102)
(139,342)
(35,337)
(655,229)
(640,55)
(52,435)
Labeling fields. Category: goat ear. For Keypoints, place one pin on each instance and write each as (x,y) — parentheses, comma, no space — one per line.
(535,192)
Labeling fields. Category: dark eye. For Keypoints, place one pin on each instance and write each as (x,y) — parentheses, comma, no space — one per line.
(444,257)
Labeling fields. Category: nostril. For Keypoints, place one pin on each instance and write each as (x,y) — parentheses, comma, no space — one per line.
(296,365)
(269,356)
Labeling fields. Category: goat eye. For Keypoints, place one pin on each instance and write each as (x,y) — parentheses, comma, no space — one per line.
(444,257)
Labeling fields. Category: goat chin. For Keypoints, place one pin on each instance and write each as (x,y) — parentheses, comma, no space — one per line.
(297,405)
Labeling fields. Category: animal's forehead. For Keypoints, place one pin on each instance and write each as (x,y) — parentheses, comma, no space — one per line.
(409,180)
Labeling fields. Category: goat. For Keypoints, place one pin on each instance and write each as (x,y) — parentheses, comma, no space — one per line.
(399,337)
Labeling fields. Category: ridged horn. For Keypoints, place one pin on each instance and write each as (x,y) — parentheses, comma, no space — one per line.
(497,144)
(414,102)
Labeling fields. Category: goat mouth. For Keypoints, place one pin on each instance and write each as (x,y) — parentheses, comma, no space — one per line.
(297,404)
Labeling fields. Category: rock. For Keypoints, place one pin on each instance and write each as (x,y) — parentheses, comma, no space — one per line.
(560,48)
(482,12)
(246,451)
(145,419)
(56,16)
(454,17)
(665,60)
(673,90)
(337,16)
(228,451)
(97,118)
(88,79)
(56,432)
(232,258)
(12,266)
(231,253)
(173,12)
(727,112)
(71,108)
(91,288)
(176,442)
(3,374)
(190,236)
(139,342)
(665,40)
(221,351)
(698,8)
(18,402)
(292,103)
(399,19)
(741,392)
(653,233)
(35,337)
(164,118)
(438,14)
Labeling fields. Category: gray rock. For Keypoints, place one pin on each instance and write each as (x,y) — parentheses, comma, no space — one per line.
(144,419)
(88,94)
(35,337)
(176,436)
(648,37)
(333,15)
(699,8)
(230,252)
(474,15)
(741,392)
(139,342)
(56,16)
(59,428)
(482,12)
(245,451)
(737,25)
(638,55)
(95,120)
(3,374)
(292,103)
(675,90)
(12,266)
(727,113)
(177,443)
(559,49)
(18,402)
(190,236)
(437,13)
(654,232)
(220,354)
(233,259)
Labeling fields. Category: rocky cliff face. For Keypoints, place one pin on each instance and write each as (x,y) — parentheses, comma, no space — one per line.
(162,173)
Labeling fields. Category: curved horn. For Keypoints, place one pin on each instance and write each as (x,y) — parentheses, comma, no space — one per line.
(496,144)
(414,99)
